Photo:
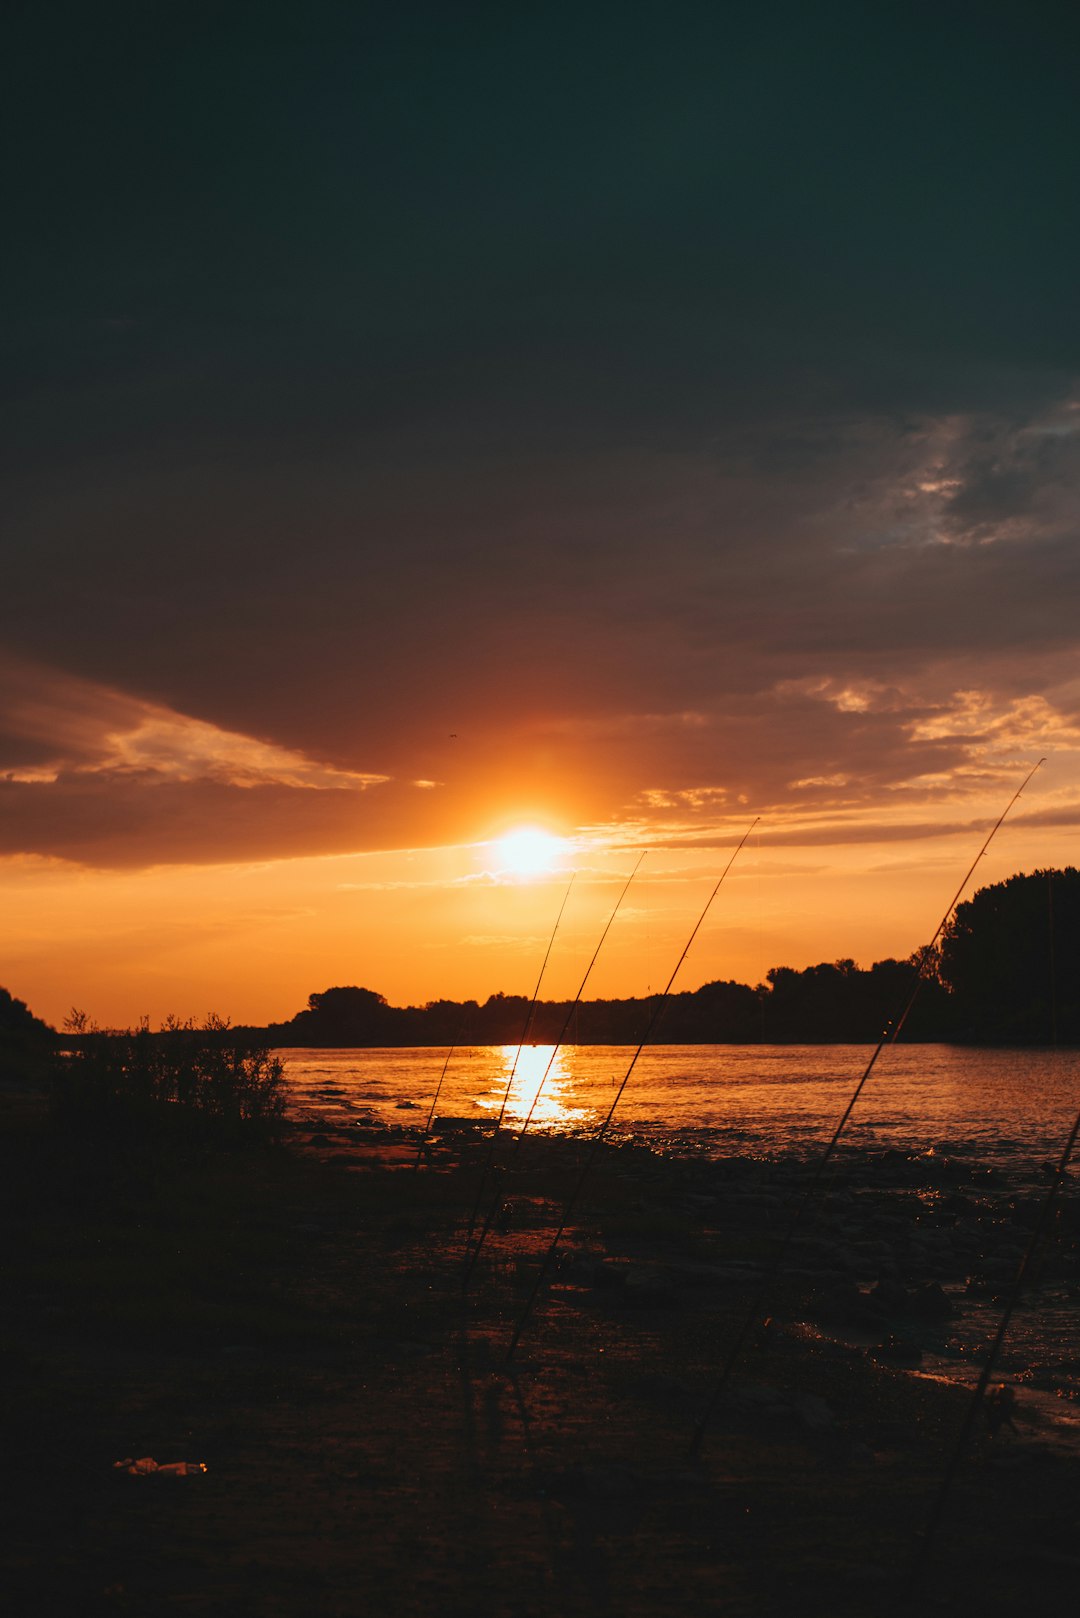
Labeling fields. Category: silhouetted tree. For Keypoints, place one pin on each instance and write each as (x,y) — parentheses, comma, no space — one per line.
(18,1021)
(1011,958)
(839,1003)
(715,1014)
(345,1016)
(502,1019)
(24,1039)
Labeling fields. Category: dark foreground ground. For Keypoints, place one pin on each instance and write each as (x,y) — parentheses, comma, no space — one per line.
(293,1318)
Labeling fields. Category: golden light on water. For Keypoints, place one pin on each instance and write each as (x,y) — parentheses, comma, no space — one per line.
(540,1087)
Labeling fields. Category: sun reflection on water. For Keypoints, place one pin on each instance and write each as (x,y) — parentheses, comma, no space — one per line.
(541,1082)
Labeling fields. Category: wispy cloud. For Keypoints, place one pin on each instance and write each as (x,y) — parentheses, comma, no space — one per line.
(176,748)
(52,724)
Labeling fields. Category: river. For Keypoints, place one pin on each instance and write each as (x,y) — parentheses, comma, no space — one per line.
(994,1117)
(1010,1108)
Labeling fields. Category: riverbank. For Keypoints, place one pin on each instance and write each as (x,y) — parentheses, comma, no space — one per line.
(293,1319)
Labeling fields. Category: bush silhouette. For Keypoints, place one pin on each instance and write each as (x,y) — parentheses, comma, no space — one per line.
(198,1078)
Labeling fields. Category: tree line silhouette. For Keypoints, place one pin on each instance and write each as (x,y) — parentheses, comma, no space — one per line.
(829,1003)
(1006,971)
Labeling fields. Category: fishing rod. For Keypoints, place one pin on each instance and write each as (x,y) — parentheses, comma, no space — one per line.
(602,1131)
(435,1100)
(889,1036)
(551,1060)
(486,1169)
(936,1512)
(577,997)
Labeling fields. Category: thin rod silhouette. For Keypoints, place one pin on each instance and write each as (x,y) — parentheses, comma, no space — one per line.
(577,997)
(486,1169)
(551,1059)
(889,1036)
(602,1131)
(425,1132)
(933,1521)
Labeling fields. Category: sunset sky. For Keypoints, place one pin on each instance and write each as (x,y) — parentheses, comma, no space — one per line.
(428,421)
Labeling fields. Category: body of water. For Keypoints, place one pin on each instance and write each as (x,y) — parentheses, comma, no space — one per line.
(1010,1108)
(994,1117)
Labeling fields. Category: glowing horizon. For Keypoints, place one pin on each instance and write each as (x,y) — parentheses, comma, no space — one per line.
(253,940)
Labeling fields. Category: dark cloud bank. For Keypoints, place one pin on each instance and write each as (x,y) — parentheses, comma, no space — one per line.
(645,410)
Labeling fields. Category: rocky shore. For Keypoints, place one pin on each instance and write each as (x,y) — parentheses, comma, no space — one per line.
(294,1319)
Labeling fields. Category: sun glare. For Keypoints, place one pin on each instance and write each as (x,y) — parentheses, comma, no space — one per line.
(540,1088)
(528,851)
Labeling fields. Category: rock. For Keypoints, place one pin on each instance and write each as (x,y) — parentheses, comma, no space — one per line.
(991,1276)
(813,1412)
(931,1302)
(605,1274)
(844,1305)
(890,1296)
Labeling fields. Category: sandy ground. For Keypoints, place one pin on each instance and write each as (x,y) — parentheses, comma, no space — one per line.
(294,1318)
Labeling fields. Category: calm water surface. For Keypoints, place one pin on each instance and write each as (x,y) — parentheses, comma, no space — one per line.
(1012,1108)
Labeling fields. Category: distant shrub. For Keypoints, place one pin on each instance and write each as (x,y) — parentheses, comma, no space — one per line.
(199,1078)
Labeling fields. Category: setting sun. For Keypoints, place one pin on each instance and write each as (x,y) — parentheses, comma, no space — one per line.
(529,851)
